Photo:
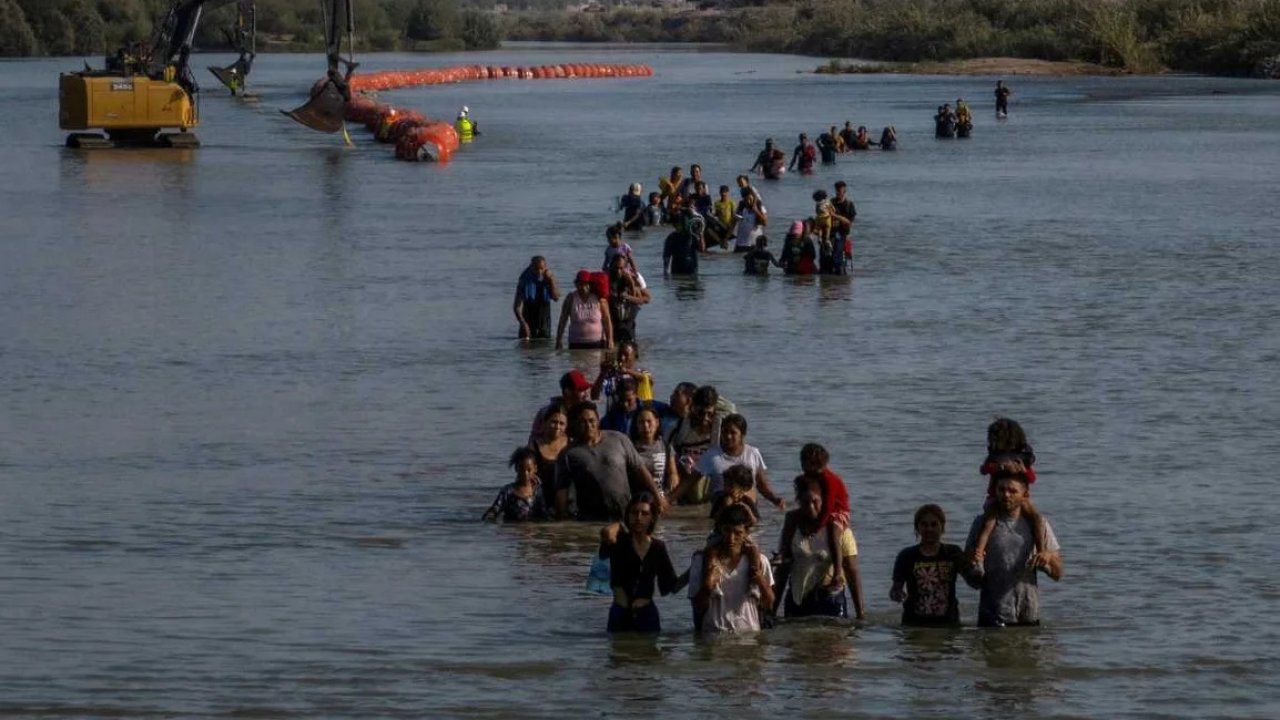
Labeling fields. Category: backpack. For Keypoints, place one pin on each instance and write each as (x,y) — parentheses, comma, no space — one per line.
(600,283)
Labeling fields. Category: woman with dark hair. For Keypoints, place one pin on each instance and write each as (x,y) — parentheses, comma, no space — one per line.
(626,295)
(924,575)
(521,500)
(547,446)
(637,560)
(654,452)
(817,585)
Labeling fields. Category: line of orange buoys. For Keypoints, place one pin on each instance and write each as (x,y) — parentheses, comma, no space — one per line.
(418,137)
(392,79)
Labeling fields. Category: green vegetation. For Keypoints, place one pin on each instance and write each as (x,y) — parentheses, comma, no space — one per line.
(1208,36)
(97,27)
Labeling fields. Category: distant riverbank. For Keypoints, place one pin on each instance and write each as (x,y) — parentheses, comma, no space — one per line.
(1226,37)
(975,66)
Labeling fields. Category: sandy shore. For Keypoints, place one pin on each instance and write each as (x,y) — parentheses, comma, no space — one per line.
(976,66)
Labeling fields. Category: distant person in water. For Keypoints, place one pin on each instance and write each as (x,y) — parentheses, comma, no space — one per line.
(848,135)
(680,250)
(829,145)
(889,138)
(805,155)
(1002,99)
(862,140)
(757,261)
(632,207)
(535,291)
(771,162)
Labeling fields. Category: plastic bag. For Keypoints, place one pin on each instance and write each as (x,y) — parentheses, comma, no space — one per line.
(598,576)
(644,388)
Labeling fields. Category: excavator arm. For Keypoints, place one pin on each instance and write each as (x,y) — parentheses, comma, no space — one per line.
(330,95)
(243,39)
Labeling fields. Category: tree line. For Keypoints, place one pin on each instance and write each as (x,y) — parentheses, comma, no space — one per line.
(1208,36)
(98,27)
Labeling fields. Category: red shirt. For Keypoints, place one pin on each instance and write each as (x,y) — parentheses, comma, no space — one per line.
(837,497)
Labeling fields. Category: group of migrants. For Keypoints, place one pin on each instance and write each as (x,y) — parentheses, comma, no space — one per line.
(820,243)
(626,467)
(957,122)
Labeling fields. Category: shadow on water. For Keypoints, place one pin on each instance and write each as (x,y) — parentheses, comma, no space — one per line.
(1021,668)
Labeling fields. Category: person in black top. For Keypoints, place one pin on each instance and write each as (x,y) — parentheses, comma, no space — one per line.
(680,251)
(632,207)
(636,561)
(757,261)
(924,575)
(1002,99)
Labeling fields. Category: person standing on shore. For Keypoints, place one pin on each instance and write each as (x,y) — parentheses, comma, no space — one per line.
(535,291)
(1002,99)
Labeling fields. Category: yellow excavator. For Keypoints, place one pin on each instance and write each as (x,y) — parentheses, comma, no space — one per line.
(147,96)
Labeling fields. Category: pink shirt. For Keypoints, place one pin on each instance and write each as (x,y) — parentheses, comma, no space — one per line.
(585,324)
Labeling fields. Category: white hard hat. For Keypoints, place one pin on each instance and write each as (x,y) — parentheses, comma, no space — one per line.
(465,110)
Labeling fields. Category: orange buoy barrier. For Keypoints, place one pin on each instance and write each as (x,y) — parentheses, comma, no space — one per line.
(395,79)
(417,137)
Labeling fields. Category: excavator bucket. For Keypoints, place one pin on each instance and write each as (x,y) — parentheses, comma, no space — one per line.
(229,76)
(324,111)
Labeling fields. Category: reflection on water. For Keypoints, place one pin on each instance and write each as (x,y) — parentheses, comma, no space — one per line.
(1022,669)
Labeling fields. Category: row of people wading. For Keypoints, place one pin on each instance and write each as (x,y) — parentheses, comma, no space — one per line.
(626,467)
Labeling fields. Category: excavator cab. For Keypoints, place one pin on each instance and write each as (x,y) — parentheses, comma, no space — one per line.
(146,90)
(326,109)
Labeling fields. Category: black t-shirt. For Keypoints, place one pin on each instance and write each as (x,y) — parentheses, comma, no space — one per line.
(930,584)
(636,575)
(845,208)
(632,207)
(682,249)
(757,262)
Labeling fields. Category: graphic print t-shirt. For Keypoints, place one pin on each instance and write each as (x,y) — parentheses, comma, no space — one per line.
(930,584)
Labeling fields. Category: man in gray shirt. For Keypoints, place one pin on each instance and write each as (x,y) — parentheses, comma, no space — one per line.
(598,470)
(1007,576)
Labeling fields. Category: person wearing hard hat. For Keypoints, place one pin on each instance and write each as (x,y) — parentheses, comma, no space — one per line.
(464,125)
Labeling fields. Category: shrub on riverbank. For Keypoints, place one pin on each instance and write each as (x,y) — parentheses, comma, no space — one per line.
(1210,36)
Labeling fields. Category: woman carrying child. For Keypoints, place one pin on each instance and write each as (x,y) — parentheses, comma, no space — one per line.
(924,575)
(637,560)
(817,583)
(521,500)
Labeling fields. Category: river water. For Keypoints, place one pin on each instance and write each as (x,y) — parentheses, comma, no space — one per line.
(254,397)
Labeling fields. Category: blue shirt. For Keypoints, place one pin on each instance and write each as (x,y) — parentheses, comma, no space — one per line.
(532,288)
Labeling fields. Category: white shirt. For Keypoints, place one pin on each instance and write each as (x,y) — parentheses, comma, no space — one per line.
(714,462)
(734,601)
(748,228)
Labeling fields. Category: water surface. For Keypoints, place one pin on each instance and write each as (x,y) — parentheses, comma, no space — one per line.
(255,396)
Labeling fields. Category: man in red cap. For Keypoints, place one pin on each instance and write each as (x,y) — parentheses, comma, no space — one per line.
(574,389)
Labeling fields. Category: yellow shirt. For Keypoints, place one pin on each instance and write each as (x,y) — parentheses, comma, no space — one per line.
(811,560)
(724,210)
